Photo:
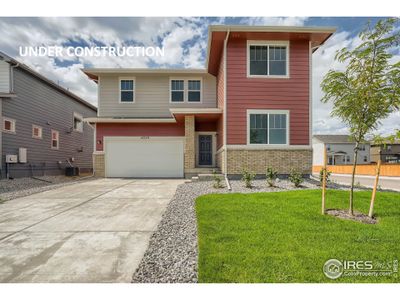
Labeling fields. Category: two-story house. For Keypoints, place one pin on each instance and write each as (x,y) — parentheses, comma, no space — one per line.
(43,131)
(250,108)
(387,153)
(339,150)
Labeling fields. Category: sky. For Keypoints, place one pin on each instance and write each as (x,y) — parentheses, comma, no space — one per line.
(184,40)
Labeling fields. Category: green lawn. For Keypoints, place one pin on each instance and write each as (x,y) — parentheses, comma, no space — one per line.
(282,236)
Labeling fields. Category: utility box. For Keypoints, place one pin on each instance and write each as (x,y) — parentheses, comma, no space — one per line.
(11,158)
(23,155)
(72,171)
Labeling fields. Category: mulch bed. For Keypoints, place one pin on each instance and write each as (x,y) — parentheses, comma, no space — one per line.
(357,216)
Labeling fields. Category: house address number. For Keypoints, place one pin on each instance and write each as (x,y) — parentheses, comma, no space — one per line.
(145,137)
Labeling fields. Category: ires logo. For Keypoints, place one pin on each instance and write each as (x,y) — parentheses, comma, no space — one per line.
(357,265)
(334,268)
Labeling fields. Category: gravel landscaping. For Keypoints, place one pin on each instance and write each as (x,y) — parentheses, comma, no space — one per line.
(172,252)
(20,187)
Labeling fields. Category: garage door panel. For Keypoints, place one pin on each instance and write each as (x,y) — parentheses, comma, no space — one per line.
(144,158)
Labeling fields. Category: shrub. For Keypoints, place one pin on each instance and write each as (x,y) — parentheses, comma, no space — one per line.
(271,177)
(296,178)
(217,181)
(248,177)
(321,176)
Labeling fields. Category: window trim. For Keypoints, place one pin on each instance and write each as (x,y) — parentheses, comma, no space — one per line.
(186,90)
(268,43)
(170,90)
(58,139)
(134,89)
(13,125)
(268,111)
(40,137)
(78,116)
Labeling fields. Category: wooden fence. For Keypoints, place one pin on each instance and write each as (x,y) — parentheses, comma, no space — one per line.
(370,169)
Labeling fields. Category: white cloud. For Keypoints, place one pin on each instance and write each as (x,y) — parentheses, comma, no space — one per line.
(323,61)
(276,21)
(172,33)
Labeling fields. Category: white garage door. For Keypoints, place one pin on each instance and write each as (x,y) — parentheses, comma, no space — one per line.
(135,157)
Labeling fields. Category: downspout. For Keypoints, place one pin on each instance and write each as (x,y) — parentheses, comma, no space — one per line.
(94,127)
(12,77)
(225,171)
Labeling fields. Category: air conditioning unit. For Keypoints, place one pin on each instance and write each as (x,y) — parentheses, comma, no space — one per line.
(11,158)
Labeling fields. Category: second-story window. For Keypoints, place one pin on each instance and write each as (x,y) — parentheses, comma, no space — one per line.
(177,90)
(267,59)
(55,139)
(37,132)
(127,90)
(194,90)
(8,125)
(78,122)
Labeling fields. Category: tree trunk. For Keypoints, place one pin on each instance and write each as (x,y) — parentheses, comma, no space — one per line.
(353,173)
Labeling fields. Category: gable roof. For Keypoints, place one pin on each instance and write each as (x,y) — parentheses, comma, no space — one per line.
(334,138)
(39,76)
(93,73)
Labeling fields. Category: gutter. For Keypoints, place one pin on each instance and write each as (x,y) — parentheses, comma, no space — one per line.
(225,171)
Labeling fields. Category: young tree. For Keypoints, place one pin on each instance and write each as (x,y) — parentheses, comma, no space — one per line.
(368,90)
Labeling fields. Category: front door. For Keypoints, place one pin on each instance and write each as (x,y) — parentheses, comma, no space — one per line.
(205,150)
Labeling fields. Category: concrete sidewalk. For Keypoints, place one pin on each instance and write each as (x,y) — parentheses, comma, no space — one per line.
(93,231)
(386,183)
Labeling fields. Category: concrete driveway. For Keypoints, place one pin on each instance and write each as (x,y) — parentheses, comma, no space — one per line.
(93,231)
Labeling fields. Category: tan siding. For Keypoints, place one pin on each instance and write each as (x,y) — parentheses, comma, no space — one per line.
(151,95)
(4,77)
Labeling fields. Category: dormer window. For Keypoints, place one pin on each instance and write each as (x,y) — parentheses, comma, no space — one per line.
(268,59)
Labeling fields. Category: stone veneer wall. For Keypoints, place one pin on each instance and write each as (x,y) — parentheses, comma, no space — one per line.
(189,151)
(257,161)
(99,164)
(219,159)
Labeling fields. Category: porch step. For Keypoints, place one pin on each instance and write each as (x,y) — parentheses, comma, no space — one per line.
(203,171)
(209,177)
(203,174)
(195,179)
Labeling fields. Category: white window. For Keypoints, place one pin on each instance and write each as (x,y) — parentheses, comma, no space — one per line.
(127,90)
(55,139)
(267,59)
(78,122)
(365,158)
(177,90)
(362,147)
(185,90)
(194,90)
(37,132)
(8,125)
(267,127)
(328,147)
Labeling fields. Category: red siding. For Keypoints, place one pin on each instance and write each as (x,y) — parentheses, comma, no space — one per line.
(220,101)
(262,93)
(206,126)
(137,129)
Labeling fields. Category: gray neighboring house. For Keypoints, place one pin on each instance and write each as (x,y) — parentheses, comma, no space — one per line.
(340,150)
(43,130)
